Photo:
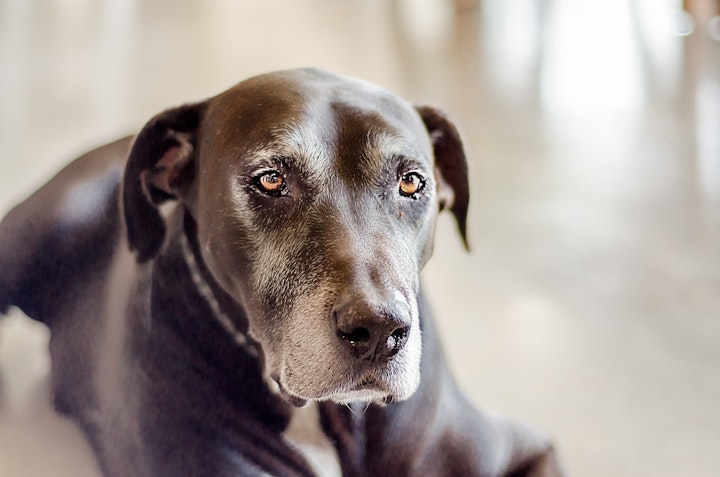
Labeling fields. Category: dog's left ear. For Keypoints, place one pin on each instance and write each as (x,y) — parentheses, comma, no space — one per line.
(451,171)
(160,168)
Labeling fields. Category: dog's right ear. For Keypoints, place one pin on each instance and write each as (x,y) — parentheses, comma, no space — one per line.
(160,168)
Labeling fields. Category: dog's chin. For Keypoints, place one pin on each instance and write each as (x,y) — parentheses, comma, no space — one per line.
(345,398)
(362,397)
(363,393)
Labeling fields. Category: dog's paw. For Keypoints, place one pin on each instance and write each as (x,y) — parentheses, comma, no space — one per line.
(545,464)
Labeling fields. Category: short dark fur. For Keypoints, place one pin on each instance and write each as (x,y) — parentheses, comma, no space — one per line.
(133,297)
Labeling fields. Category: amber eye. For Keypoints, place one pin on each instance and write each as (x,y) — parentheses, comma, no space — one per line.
(271,182)
(411,183)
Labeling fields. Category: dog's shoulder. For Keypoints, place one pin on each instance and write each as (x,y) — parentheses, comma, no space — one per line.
(61,231)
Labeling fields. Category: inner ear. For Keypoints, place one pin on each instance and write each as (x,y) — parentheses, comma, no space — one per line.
(172,175)
(444,191)
(160,167)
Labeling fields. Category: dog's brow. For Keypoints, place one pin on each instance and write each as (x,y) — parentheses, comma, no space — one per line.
(382,146)
(386,143)
(299,144)
(304,145)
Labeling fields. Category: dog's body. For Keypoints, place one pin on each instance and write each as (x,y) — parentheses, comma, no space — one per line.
(183,342)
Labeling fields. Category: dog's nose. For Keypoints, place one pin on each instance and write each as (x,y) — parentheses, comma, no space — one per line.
(372,332)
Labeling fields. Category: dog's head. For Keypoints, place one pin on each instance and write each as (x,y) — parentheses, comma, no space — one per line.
(315,198)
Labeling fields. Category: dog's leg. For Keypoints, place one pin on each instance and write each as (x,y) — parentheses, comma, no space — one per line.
(544,464)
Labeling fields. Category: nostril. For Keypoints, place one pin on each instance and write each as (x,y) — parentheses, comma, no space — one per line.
(396,340)
(398,335)
(358,335)
(359,341)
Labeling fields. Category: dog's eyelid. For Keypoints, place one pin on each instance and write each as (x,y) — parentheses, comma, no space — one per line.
(408,164)
(412,183)
(270,181)
(412,176)
(405,161)
(265,170)
(265,159)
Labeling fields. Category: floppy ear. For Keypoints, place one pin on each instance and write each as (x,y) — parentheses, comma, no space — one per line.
(451,170)
(160,168)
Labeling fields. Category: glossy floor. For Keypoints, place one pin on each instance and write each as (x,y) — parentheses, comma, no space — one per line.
(590,305)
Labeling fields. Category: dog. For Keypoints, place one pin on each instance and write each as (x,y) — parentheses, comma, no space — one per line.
(235,291)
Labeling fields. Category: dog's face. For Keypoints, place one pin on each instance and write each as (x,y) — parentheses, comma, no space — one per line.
(315,199)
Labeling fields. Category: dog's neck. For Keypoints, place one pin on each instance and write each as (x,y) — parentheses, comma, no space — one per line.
(211,292)
(207,327)
(228,314)
(208,293)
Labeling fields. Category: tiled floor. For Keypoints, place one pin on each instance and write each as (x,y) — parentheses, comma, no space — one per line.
(590,305)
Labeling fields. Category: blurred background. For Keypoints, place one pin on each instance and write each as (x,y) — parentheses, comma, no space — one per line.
(590,304)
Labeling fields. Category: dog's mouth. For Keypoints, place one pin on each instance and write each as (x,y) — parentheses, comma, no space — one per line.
(364,391)
(288,396)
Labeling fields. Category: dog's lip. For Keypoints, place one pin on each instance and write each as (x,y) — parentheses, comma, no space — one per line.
(364,385)
(364,390)
(294,400)
(288,396)
(361,396)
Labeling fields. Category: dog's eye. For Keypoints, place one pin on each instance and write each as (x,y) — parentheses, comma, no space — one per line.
(411,183)
(271,182)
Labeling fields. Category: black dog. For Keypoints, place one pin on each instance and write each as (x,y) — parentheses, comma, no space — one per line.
(266,320)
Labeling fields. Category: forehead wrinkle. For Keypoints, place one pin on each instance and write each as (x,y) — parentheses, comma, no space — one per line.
(302,144)
(371,146)
(389,143)
(382,149)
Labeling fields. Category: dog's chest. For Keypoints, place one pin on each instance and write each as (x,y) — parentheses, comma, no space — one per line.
(306,436)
